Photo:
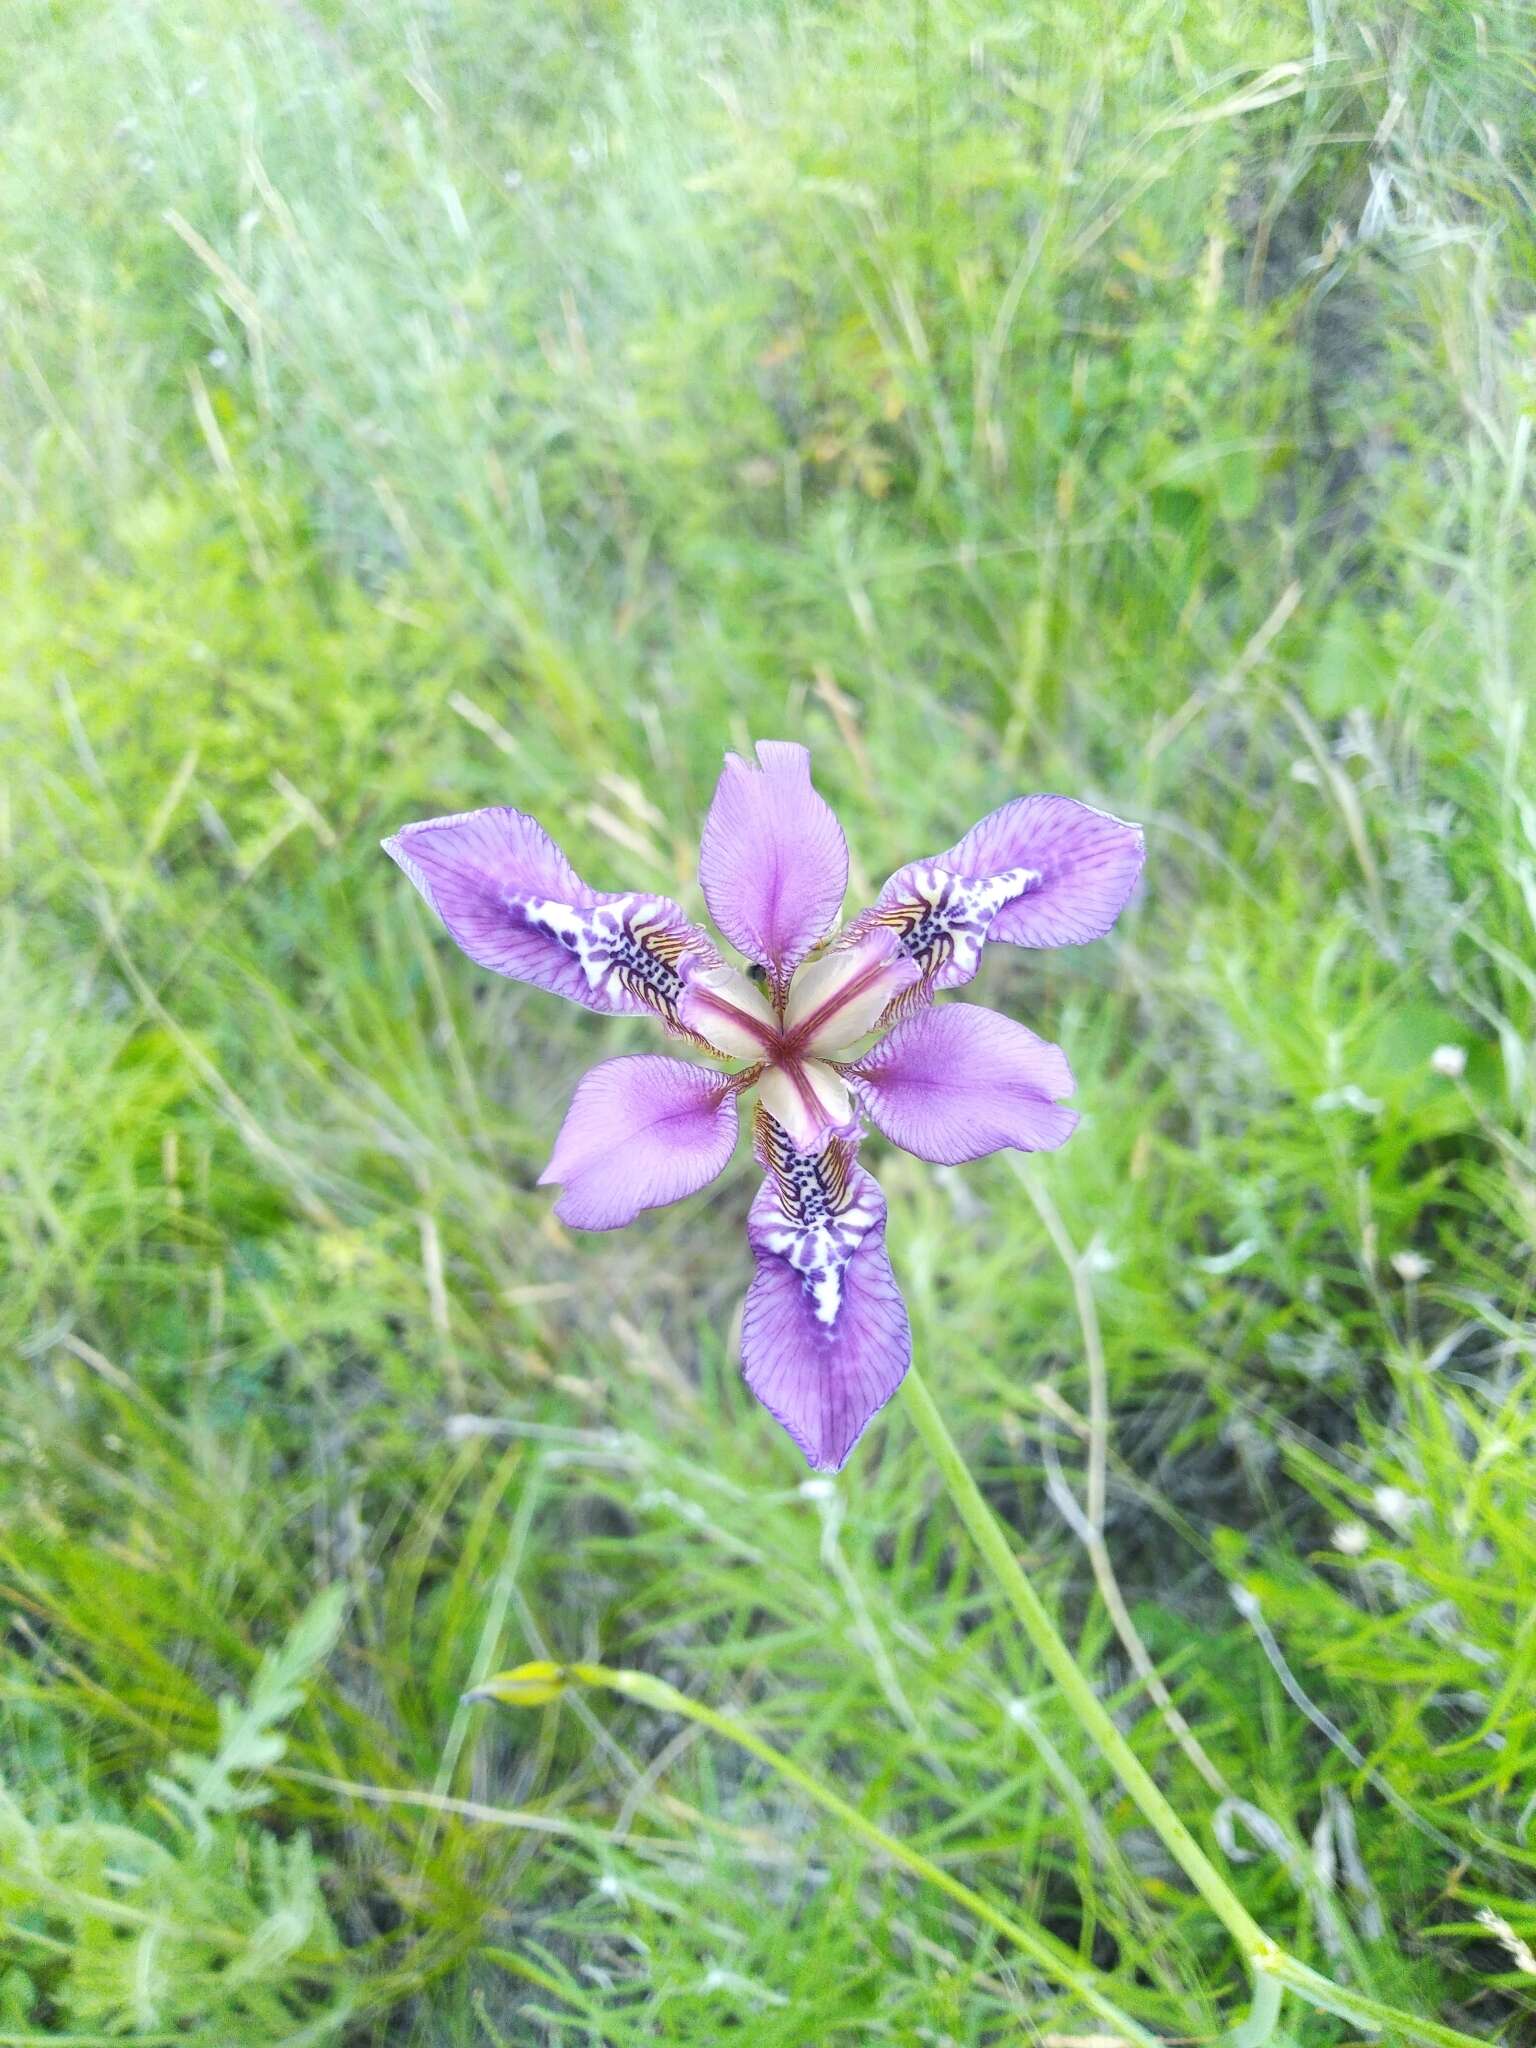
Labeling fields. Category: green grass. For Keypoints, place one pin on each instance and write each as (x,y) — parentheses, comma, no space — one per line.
(406,408)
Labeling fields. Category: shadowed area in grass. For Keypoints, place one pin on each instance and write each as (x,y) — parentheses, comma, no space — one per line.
(408,409)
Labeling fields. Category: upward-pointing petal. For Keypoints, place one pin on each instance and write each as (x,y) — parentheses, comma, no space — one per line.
(773,862)
(513,902)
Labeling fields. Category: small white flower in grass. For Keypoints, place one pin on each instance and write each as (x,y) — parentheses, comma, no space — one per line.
(1410,1267)
(1395,1506)
(459,1428)
(610,1886)
(1515,1947)
(1348,1097)
(720,1979)
(1449,1060)
(1351,1538)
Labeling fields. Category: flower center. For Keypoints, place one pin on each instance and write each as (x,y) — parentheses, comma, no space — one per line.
(832,1002)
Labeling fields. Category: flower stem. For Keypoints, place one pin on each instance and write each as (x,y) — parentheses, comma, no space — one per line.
(537,1684)
(1271,1968)
(992,1541)
(1263,2015)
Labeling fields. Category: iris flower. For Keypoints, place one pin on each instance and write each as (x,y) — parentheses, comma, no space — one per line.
(827,1028)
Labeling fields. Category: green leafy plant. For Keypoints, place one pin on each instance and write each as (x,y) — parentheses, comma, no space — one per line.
(200,1789)
(207,1932)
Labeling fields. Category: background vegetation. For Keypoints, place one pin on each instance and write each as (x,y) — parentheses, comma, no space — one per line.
(413,406)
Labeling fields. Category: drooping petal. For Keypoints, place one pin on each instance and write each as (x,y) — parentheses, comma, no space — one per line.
(958,1082)
(726,1010)
(840,998)
(640,1132)
(825,1340)
(810,1099)
(1083,864)
(513,902)
(773,861)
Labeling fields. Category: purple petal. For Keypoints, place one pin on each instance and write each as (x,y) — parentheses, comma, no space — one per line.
(824,1335)
(773,862)
(640,1132)
(1042,871)
(514,903)
(1084,863)
(941,921)
(958,1082)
